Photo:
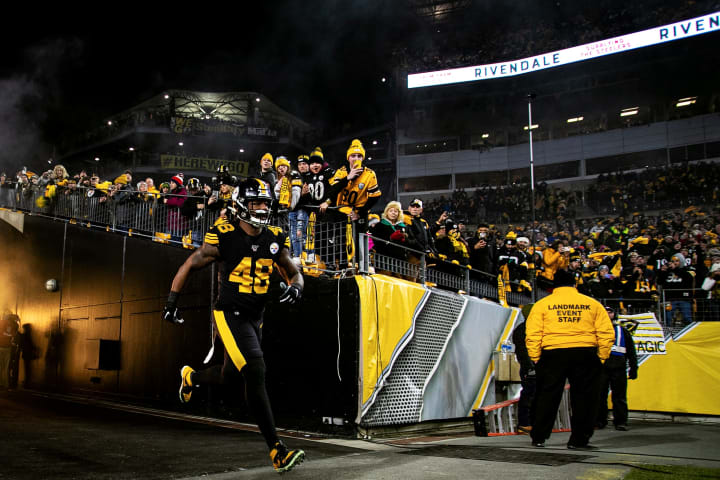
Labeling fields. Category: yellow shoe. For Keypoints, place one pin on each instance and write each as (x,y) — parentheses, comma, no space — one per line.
(186,385)
(283,459)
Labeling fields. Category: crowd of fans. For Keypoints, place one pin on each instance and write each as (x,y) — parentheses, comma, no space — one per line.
(656,188)
(176,207)
(506,203)
(622,193)
(632,262)
(624,256)
(550,30)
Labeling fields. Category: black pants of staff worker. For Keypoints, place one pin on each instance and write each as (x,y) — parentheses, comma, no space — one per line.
(581,367)
(614,377)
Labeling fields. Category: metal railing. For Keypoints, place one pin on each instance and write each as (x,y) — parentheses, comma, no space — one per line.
(681,307)
(327,246)
(145,214)
(429,268)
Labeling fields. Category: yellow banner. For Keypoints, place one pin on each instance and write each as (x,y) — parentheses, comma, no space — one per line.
(180,163)
(386,324)
(686,380)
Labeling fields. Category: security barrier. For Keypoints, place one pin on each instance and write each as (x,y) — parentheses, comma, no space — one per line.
(682,307)
(328,246)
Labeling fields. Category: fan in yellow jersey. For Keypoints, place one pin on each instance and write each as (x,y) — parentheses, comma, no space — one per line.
(568,336)
(354,188)
(247,249)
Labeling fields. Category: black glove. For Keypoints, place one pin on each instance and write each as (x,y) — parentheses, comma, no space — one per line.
(291,293)
(171,312)
(632,375)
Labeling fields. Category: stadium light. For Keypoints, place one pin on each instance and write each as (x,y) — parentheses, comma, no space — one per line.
(97,159)
(167,96)
(575,119)
(383,79)
(626,112)
(374,142)
(257,99)
(684,102)
(181,144)
(486,135)
(132,149)
(532,127)
(50,161)
(242,150)
(369,158)
(109,122)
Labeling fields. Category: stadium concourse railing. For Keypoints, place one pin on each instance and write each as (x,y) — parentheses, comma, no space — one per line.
(667,306)
(328,247)
(430,269)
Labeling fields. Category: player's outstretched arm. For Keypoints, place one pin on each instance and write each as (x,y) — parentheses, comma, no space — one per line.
(289,270)
(200,258)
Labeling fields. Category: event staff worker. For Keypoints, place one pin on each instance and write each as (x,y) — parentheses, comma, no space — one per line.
(568,336)
(621,365)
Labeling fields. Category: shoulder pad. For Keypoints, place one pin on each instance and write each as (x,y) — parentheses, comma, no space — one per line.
(275,230)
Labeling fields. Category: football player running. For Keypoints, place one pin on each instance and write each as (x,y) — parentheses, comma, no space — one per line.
(247,249)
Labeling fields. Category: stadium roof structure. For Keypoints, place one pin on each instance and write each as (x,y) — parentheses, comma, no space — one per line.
(438,11)
(223,106)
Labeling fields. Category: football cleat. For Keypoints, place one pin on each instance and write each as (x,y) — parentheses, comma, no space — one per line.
(186,385)
(283,459)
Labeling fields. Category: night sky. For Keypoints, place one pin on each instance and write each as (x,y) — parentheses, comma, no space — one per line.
(320,60)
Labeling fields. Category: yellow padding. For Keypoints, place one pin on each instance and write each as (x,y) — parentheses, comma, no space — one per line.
(228,340)
(386,323)
(686,379)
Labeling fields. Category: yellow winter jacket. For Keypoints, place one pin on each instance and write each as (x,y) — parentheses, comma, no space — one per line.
(568,319)
(552,261)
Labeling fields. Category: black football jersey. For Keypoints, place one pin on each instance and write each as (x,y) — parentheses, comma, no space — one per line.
(319,185)
(246,263)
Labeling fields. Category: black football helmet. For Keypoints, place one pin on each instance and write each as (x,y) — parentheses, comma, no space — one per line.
(193,184)
(252,189)
(223,176)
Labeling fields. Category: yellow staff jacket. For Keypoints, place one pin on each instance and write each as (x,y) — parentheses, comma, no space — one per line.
(568,319)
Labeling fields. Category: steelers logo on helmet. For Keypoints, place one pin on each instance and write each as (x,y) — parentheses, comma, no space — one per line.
(252,202)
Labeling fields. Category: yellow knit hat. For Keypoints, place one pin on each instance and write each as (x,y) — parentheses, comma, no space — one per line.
(267,156)
(121,179)
(282,161)
(356,147)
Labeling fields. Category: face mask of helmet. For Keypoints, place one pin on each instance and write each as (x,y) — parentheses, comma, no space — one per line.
(247,193)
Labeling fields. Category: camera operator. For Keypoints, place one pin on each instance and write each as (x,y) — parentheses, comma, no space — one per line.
(482,251)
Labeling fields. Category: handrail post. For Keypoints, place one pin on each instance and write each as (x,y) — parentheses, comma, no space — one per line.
(362,253)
